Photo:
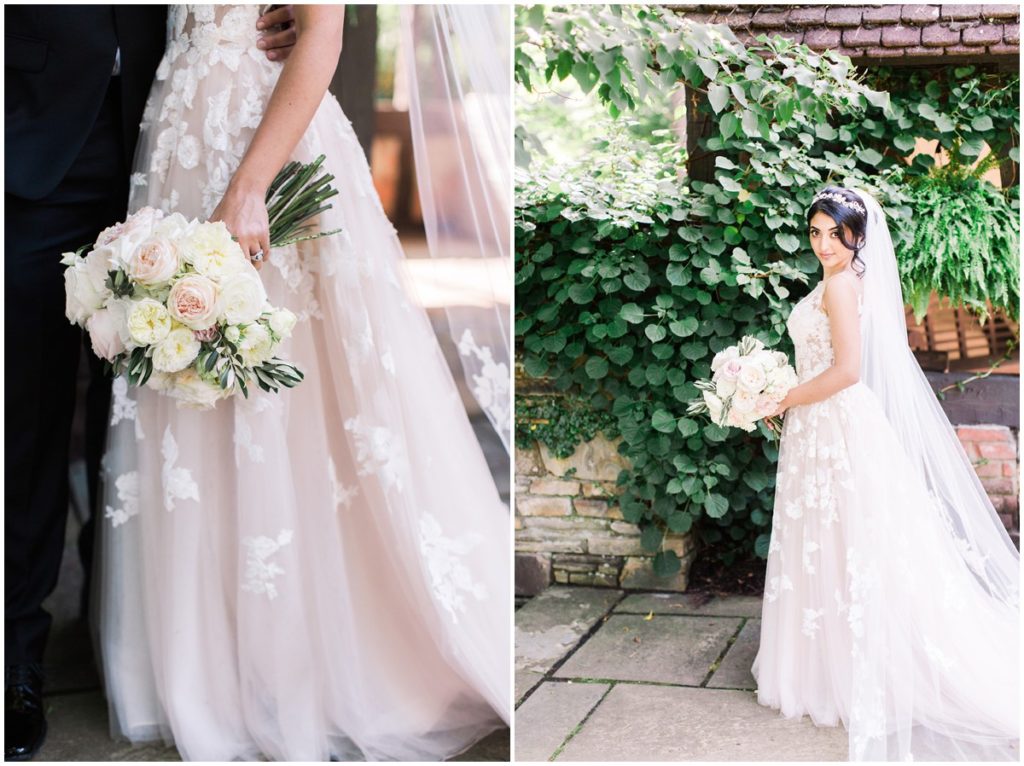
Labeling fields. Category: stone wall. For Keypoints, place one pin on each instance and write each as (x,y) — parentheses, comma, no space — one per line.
(569,528)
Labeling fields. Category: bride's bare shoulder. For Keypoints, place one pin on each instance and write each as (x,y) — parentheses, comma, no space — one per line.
(841,291)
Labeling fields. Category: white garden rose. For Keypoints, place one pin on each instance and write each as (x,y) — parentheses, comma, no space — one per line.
(106,332)
(751,378)
(739,419)
(176,352)
(743,401)
(154,262)
(282,321)
(725,387)
(193,301)
(212,252)
(83,292)
(242,296)
(256,346)
(174,227)
(715,406)
(233,333)
(724,356)
(765,359)
(148,321)
(193,392)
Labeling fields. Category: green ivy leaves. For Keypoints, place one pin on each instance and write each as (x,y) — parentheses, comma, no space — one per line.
(631,276)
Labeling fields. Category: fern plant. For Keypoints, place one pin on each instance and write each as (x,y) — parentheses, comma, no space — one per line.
(964,246)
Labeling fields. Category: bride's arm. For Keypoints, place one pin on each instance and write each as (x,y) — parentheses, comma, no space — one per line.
(840,302)
(299,90)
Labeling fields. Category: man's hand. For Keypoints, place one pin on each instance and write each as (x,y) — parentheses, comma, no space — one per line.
(278,32)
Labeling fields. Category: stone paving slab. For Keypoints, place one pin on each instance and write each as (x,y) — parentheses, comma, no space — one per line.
(526,680)
(551,624)
(690,603)
(734,672)
(679,650)
(665,723)
(551,713)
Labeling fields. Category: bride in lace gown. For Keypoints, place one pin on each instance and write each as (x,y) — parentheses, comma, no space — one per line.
(890,600)
(322,573)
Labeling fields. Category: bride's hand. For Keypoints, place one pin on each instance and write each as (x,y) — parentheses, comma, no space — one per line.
(784,405)
(244,211)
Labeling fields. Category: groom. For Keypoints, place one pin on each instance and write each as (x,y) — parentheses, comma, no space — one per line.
(77,78)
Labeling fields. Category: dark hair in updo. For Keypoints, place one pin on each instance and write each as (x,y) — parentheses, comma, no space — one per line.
(851,221)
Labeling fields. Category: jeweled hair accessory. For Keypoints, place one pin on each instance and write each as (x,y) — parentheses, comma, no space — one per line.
(841,200)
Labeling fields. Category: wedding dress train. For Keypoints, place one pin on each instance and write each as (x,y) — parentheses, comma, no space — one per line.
(321,573)
(873,616)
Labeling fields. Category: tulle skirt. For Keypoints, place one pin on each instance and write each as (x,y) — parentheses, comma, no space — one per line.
(322,573)
(871,617)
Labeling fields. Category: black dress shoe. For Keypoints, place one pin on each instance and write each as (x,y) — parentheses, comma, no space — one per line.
(24,721)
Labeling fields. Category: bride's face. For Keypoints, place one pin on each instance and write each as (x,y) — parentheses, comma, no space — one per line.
(826,244)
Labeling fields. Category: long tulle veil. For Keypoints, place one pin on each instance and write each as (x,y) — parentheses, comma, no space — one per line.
(460,102)
(905,702)
(888,367)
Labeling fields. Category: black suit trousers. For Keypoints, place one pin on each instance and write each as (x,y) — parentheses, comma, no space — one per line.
(42,357)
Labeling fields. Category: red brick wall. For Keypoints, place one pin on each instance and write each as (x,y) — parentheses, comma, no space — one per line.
(993,450)
(870,32)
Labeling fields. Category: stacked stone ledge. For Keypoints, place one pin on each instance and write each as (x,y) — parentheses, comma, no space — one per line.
(570,530)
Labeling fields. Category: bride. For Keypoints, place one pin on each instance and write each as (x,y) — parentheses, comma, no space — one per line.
(324,573)
(891,598)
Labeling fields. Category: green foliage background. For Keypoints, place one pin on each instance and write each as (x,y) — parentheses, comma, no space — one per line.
(631,276)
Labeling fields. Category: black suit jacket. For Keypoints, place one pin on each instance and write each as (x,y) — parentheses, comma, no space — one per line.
(58,62)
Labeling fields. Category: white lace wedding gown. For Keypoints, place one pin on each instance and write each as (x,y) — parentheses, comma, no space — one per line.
(322,573)
(870,616)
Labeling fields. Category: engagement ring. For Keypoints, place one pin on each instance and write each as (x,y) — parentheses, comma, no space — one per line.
(257,256)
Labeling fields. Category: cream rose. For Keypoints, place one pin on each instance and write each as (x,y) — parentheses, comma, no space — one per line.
(195,393)
(257,346)
(148,322)
(193,301)
(176,352)
(105,332)
(242,297)
(213,253)
(154,262)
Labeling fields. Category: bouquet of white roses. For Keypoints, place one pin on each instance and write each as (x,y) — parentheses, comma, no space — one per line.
(174,304)
(747,384)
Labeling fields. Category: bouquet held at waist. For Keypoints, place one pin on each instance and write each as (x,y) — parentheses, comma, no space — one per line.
(174,304)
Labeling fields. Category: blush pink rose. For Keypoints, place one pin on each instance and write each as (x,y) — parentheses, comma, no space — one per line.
(731,369)
(193,302)
(154,261)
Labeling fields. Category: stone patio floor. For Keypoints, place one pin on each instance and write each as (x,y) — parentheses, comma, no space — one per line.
(606,675)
